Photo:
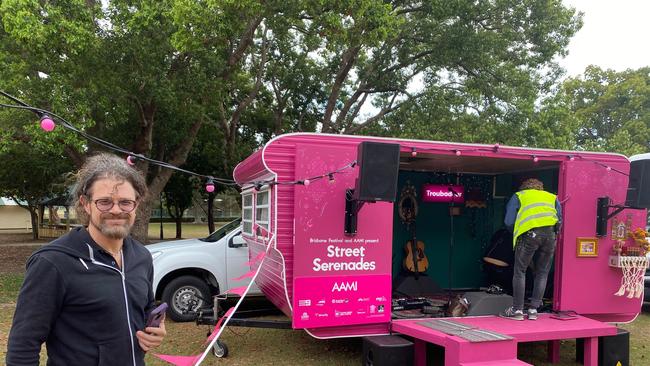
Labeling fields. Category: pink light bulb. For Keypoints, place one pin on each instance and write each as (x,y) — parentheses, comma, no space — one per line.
(414,153)
(209,187)
(496,147)
(47,124)
(130,160)
(306,182)
(609,168)
(535,159)
(572,158)
(458,153)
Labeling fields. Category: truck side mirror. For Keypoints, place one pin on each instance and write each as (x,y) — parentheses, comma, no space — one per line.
(237,242)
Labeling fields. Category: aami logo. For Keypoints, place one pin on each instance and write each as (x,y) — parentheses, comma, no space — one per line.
(344,286)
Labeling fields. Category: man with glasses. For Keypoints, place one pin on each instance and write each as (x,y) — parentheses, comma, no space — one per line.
(87,294)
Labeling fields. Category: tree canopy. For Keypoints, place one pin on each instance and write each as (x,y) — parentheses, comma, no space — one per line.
(203,83)
(612,109)
(29,175)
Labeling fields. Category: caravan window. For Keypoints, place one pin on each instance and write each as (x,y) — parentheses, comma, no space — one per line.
(247,213)
(262,209)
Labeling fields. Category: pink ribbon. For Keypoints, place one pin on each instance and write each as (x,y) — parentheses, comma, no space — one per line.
(215,331)
(249,274)
(237,290)
(257,258)
(241,291)
(178,360)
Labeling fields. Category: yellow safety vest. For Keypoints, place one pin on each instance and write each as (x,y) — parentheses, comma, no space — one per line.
(536,209)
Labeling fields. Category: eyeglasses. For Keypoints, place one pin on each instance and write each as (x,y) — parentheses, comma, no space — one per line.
(106,204)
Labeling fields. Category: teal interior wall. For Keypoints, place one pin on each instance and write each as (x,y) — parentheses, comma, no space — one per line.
(472,229)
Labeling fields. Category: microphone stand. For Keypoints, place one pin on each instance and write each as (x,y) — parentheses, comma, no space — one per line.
(451,243)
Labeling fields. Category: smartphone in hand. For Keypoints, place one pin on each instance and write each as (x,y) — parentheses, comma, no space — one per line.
(156,315)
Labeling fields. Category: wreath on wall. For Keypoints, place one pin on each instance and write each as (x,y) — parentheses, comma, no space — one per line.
(407,206)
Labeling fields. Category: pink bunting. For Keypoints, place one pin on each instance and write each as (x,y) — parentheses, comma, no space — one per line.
(241,291)
(226,315)
(237,290)
(257,258)
(215,331)
(178,360)
(249,274)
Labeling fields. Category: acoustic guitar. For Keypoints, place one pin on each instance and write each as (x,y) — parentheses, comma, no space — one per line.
(415,260)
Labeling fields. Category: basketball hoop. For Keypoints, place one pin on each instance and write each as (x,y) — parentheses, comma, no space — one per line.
(633,268)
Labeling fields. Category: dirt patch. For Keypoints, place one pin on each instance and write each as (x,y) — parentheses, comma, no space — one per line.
(6,238)
(13,258)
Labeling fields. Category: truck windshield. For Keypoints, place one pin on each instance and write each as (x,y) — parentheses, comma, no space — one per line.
(222,231)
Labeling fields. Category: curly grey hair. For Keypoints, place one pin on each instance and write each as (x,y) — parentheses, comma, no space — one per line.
(102,166)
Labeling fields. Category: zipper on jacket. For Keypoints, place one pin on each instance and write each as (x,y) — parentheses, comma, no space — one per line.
(126,300)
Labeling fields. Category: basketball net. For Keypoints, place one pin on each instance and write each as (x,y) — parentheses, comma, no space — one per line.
(633,268)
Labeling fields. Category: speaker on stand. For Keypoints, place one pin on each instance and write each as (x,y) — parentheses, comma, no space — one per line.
(378,170)
(638,191)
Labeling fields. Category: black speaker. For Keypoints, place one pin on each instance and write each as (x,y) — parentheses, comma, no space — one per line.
(482,303)
(388,350)
(638,189)
(378,170)
(612,350)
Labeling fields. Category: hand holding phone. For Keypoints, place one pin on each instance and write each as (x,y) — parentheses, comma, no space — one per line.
(156,315)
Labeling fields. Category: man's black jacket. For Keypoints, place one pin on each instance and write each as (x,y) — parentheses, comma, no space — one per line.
(81,305)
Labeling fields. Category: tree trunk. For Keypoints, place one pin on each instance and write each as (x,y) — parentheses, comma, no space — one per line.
(210,214)
(157,184)
(179,227)
(34,218)
(179,223)
(140,230)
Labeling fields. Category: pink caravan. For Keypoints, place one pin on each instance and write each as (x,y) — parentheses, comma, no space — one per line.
(338,273)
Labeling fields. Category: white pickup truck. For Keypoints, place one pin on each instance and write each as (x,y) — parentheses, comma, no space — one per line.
(187,273)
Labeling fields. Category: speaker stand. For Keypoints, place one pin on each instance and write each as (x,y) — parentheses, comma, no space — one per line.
(352,208)
(452,213)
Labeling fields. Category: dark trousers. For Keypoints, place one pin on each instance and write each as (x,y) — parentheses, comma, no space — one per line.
(539,240)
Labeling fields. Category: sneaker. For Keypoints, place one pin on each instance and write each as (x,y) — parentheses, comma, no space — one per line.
(511,313)
(532,314)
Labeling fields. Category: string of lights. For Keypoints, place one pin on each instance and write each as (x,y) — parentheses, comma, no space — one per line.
(305,182)
(47,123)
(496,148)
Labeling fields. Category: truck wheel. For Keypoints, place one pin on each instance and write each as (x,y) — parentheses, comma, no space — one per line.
(220,349)
(186,294)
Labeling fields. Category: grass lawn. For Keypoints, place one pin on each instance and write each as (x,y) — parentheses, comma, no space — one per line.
(252,346)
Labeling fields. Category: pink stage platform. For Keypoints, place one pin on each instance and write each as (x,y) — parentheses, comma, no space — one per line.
(459,351)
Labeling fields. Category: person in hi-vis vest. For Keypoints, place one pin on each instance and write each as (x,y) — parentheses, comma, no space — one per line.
(534,216)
